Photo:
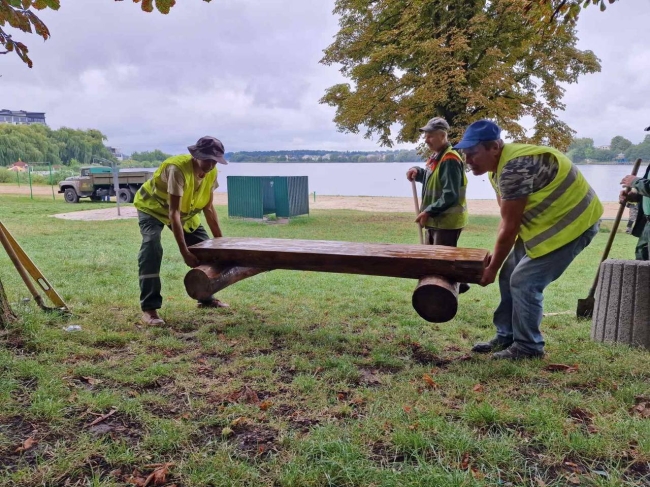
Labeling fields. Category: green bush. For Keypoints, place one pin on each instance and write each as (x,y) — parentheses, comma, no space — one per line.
(5,175)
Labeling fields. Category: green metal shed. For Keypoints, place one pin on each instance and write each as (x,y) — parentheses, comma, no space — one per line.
(256,196)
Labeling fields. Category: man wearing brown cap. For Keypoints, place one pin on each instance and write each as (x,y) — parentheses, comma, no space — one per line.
(181,188)
(443,211)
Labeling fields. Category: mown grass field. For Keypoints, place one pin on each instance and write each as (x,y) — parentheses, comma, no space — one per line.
(310,379)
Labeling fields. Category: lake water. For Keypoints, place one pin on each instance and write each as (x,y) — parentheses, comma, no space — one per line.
(389,179)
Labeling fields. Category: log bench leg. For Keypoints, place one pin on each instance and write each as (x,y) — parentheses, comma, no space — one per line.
(205,280)
(436,299)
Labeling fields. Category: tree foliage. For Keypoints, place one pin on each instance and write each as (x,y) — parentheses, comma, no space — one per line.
(641,150)
(582,149)
(566,10)
(150,156)
(410,60)
(21,15)
(39,143)
(620,144)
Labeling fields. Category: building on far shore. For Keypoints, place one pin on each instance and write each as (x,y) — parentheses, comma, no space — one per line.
(117,153)
(18,166)
(21,117)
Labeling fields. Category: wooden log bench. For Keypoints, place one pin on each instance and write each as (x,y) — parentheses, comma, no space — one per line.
(228,260)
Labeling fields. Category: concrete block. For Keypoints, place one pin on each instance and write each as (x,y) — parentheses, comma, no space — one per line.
(622,307)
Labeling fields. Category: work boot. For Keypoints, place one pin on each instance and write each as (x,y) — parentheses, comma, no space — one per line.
(151,318)
(213,303)
(493,345)
(515,352)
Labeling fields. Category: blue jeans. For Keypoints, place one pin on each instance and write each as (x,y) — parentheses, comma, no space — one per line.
(522,281)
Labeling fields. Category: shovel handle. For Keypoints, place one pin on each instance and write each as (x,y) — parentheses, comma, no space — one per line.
(417,210)
(610,241)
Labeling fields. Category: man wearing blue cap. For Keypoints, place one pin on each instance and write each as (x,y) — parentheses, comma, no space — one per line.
(549,213)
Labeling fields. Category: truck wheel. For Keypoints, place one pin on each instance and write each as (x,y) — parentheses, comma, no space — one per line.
(124,195)
(70,195)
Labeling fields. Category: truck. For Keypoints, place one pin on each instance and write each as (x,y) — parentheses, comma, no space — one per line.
(97,182)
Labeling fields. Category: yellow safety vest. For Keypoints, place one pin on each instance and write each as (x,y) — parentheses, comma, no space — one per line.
(152,197)
(558,213)
(454,217)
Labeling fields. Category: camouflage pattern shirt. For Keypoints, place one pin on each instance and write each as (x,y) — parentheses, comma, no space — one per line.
(528,174)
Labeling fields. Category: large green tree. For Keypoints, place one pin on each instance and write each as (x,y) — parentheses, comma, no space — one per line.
(21,15)
(620,144)
(38,143)
(409,60)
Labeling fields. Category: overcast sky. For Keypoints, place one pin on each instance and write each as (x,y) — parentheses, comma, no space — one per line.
(247,72)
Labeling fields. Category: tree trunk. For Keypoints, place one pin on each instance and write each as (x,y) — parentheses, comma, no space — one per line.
(6,314)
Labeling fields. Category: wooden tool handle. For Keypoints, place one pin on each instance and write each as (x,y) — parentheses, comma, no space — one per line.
(417,210)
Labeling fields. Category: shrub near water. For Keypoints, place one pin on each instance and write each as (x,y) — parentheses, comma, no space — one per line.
(309,379)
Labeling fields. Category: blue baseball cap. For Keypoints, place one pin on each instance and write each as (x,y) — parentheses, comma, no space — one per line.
(480,131)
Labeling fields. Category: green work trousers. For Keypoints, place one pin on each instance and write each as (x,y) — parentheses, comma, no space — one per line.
(150,258)
(642,244)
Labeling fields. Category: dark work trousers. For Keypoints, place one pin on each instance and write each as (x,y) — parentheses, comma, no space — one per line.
(440,236)
(150,258)
(449,238)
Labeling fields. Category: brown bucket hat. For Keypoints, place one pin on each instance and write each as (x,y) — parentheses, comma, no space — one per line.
(208,148)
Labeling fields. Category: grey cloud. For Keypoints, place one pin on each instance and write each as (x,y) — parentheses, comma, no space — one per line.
(247,72)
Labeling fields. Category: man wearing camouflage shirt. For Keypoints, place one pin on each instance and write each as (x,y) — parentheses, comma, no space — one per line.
(549,214)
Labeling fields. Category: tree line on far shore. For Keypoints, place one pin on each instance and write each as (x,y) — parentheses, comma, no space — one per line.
(38,144)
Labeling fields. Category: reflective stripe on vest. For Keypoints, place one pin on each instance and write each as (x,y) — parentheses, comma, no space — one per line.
(454,217)
(558,213)
(152,197)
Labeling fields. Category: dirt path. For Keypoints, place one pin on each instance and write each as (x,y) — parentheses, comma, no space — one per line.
(361,203)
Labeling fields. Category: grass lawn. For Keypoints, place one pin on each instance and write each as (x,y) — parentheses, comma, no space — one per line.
(310,379)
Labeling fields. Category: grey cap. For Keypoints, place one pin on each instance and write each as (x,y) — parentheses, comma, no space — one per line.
(436,123)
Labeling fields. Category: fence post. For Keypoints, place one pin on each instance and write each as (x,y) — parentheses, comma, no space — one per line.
(29,177)
(52,182)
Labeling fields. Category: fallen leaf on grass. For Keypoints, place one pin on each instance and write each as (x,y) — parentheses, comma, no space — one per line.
(464,463)
(561,368)
(342,395)
(158,476)
(478,388)
(642,409)
(540,482)
(407,409)
(92,381)
(264,405)
(581,414)
(27,444)
(429,381)
(246,395)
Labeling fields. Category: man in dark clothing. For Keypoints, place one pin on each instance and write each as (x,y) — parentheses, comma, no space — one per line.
(443,211)
(638,190)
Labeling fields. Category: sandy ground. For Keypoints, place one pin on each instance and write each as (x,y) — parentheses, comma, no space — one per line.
(360,203)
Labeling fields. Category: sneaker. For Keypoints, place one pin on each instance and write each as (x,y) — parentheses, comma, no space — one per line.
(513,352)
(151,318)
(493,345)
(463,287)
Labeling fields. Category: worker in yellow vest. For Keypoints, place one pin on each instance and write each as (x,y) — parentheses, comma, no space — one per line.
(549,214)
(443,208)
(181,188)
